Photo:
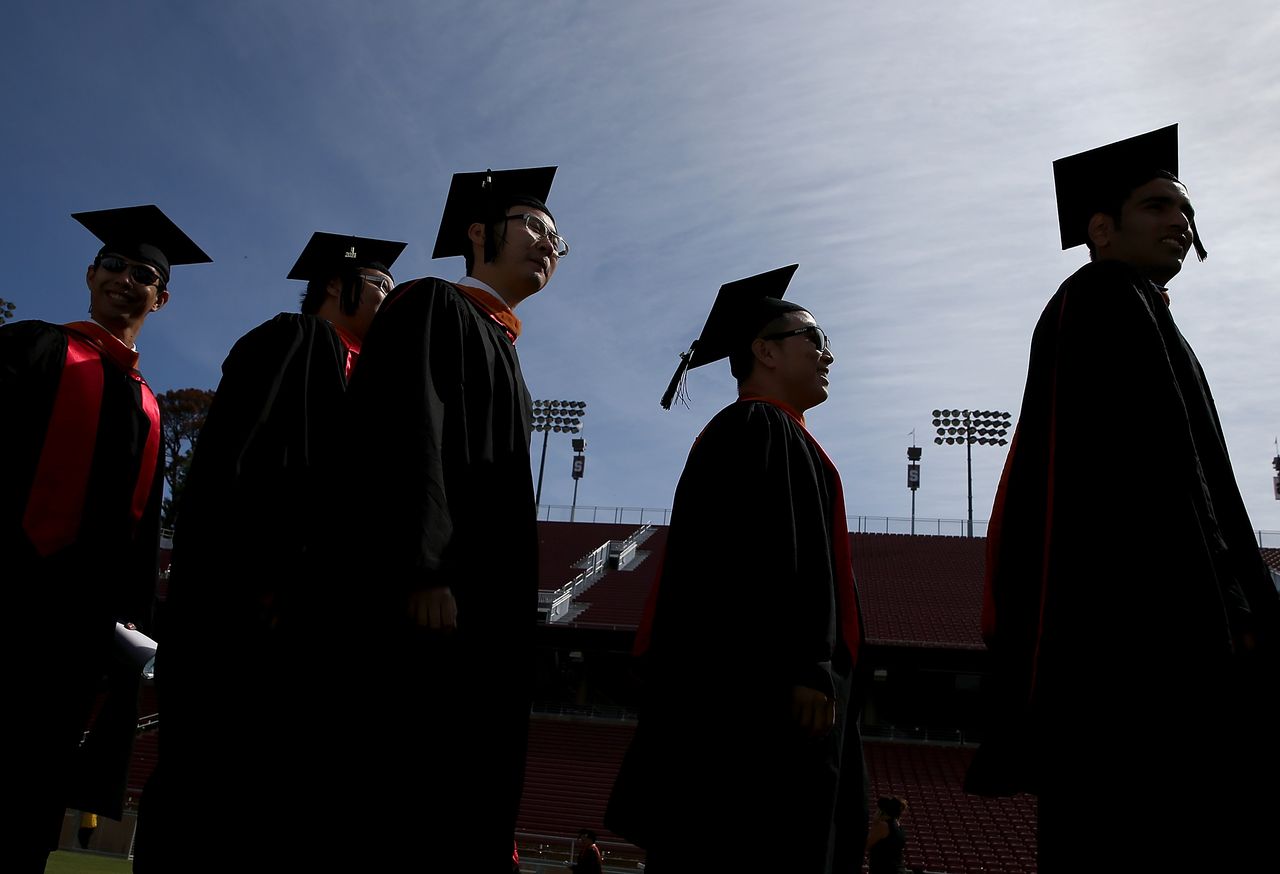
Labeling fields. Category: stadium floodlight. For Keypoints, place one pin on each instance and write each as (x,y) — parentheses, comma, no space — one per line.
(967,427)
(562,417)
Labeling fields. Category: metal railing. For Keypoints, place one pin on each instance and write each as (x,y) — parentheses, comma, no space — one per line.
(609,515)
(918,734)
(583,711)
(662,516)
(856,524)
(557,602)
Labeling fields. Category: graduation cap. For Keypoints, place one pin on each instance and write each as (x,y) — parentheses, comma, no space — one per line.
(328,254)
(483,197)
(740,311)
(142,233)
(1101,178)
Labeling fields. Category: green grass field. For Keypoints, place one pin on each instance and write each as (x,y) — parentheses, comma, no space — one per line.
(68,862)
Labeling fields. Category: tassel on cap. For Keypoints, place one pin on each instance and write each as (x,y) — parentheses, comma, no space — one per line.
(676,387)
(1201,253)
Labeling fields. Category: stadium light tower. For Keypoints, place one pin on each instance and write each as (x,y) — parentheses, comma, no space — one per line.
(913,475)
(984,427)
(579,468)
(558,416)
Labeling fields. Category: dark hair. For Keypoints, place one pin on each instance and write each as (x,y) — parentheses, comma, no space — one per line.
(495,229)
(588,834)
(348,299)
(891,806)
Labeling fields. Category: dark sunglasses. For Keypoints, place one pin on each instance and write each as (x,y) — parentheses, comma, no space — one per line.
(139,273)
(812,333)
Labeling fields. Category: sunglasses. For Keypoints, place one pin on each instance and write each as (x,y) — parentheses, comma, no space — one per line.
(812,333)
(139,273)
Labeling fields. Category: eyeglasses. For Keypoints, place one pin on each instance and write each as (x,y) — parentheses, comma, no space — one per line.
(379,282)
(139,273)
(539,229)
(812,333)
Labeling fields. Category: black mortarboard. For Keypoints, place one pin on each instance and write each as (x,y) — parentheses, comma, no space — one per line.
(740,311)
(327,254)
(1101,178)
(482,197)
(142,233)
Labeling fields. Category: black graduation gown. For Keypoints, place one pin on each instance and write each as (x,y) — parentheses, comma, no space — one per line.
(746,608)
(443,494)
(1126,600)
(234,666)
(65,597)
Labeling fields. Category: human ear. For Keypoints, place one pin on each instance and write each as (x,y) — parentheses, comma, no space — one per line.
(763,352)
(162,298)
(1101,227)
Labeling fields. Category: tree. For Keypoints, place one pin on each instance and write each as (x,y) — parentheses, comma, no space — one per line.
(182,413)
(6,310)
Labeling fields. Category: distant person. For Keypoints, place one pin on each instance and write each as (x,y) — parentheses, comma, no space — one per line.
(88,825)
(887,840)
(439,567)
(748,728)
(79,505)
(237,655)
(1133,626)
(590,860)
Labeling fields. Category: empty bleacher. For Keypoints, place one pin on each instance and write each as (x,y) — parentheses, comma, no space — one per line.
(569,774)
(561,545)
(572,764)
(947,829)
(921,590)
(618,600)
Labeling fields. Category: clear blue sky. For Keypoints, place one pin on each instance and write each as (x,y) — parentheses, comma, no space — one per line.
(900,152)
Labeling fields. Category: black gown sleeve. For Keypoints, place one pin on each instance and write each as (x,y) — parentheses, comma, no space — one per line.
(31,359)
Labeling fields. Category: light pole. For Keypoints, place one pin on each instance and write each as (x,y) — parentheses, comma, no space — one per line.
(555,416)
(913,476)
(579,468)
(984,427)
(1275,480)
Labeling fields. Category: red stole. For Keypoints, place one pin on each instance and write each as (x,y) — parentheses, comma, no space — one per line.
(353,349)
(56,502)
(495,308)
(846,585)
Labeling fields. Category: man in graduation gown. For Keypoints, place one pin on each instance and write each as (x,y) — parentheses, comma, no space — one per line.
(748,725)
(240,615)
(79,506)
(442,554)
(1134,644)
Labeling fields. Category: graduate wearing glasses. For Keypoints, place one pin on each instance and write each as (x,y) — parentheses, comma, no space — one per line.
(241,585)
(748,722)
(440,567)
(80,502)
